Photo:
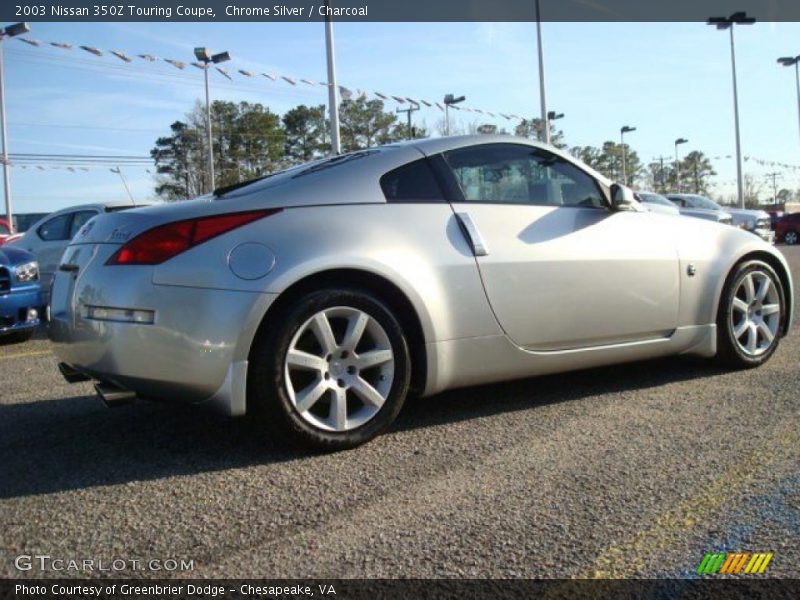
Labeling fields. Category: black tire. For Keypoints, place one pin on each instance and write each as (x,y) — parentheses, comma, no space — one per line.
(266,386)
(791,237)
(18,337)
(729,352)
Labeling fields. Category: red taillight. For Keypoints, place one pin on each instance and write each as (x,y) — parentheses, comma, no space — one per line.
(161,243)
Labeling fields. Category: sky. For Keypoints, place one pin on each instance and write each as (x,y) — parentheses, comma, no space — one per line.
(668,80)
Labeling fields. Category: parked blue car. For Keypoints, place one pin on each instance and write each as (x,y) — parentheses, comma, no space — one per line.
(20,294)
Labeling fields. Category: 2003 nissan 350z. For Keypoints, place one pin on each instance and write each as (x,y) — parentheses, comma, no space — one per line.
(321,296)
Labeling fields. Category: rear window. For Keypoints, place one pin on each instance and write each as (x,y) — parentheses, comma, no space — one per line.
(414,182)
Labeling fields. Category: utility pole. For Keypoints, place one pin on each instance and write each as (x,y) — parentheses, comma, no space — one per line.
(411,108)
(774,176)
(542,94)
(662,176)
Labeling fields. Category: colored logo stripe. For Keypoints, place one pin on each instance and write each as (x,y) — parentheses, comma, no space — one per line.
(733,562)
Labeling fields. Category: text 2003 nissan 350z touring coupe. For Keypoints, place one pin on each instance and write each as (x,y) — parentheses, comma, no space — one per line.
(321,296)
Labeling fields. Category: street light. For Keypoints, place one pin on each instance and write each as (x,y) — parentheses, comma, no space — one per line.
(206,58)
(10,31)
(788,61)
(678,142)
(448,100)
(722,23)
(333,99)
(625,129)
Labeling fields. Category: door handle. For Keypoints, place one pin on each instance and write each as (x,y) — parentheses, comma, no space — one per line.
(479,247)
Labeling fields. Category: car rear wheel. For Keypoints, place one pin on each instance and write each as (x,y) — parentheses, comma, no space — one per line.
(751,313)
(791,237)
(334,370)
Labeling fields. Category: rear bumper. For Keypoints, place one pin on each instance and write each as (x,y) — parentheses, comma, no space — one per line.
(14,307)
(187,354)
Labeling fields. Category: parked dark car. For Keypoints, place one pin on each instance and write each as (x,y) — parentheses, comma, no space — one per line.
(788,229)
(774,218)
(20,294)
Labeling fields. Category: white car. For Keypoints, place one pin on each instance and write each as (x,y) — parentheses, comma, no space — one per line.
(657,203)
(49,237)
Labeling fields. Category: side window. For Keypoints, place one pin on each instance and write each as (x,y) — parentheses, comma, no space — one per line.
(414,182)
(55,229)
(516,174)
(79,220)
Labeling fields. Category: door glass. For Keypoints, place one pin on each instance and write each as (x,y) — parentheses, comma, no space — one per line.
(79,220)
(55,229)
(517,174)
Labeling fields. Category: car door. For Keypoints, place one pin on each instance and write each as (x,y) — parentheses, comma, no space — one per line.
(561,269)
(51,239)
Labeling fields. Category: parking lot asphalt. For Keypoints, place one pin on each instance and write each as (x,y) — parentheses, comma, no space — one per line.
(634,470)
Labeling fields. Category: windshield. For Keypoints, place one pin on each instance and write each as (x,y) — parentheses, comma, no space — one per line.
(655,199)
(701,202)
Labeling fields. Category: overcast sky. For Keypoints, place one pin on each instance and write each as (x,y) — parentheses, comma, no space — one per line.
(667,79)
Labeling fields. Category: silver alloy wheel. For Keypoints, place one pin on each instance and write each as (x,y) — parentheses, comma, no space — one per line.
(790,238)
(339,369)
(755,313)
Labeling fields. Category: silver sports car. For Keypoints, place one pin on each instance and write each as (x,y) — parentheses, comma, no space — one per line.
(321,296)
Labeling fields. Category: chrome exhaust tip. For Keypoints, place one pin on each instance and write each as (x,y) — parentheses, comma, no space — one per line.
(114,396)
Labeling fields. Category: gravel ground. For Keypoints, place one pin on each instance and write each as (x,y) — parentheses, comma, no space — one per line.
(636,470)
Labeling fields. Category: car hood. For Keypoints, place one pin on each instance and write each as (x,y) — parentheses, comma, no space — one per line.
(11,257)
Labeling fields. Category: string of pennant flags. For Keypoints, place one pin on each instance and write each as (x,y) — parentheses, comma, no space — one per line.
(346,93)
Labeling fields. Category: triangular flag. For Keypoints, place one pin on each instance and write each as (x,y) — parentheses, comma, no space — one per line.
(121,56)
(288,79)
(224,72)
(91,50)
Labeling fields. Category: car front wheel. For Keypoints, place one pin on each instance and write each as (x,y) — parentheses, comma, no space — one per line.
(751,313)
(333,370)
(791,237)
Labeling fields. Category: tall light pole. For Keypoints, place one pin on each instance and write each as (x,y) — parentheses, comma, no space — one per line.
(333,99)
(625,129)
(542,94)
(722,23)
(788,61)
(448,100)
(678,142)
(207,59)
(10,31)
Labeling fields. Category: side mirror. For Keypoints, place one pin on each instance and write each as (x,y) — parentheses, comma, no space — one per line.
(622,198)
